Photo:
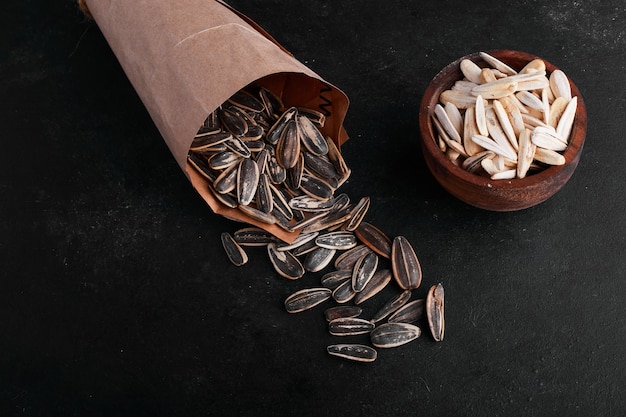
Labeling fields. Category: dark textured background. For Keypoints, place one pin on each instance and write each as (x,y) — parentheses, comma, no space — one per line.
(117,300)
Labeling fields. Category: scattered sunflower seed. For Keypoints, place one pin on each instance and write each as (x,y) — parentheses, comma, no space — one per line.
(347,259)
(391,305)
(349,326)
(285,263)
(353,352)
(275,166)
(374,238)
(409,313)
(381,278)
(405,265)
(338,312)
(318,259)
(334,279)
(364,270)
(389,335)
(235,253)
(306,299)
(435,311)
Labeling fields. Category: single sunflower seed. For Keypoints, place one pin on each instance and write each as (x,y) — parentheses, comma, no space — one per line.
(333,279)
(285,263)
(405,265)
(390,335)
(337,240)
(306,299)
(435,311)
(374,238)
(376,284)
(391,305)
(318,259)
(235,253)
(409,313)
(350,326)
(343,311)
(364,270)
(353,352)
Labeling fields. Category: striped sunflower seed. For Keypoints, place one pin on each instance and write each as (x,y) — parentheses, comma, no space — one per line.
(310,204)
(315,187)
(350,326)
(295,174)
(227,180)
(358,214)
(338,312)
(285,263)
(288,146)
(264,200)
(337,240)
(353,352)
(364,270)
(234,123)
(224,159)
(228,199)
(272,103)
(319,259)
(409,313)
(208,140)
(275,132)
(253,236)
(320,166)
(333,279)
(235,253)
(300,240)
(305,248)
(335,156)
(306,299)
(344,292)
(247,181)
(257,214)
(348,259)
(392,305)
(201,165)
(390,335)
(246,101)
(310,135)
(238,146)
(315,116)
(405,265)
(374,238)
(435,311)
(379,281)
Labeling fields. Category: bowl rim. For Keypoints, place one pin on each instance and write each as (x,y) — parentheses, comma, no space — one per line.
(431,97)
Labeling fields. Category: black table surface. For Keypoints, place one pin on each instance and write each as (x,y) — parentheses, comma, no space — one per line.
(116,298)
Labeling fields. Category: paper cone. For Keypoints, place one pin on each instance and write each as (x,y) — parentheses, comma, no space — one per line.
(186,57)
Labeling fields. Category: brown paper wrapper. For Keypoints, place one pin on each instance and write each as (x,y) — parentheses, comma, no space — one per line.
(186,57)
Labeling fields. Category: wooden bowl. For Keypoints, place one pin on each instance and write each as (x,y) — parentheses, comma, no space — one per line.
(481,191)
